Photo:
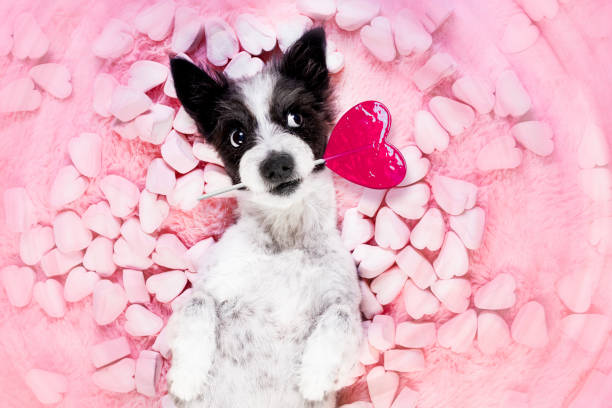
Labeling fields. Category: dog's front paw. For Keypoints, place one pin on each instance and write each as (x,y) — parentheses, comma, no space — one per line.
(185,385)
(314,387)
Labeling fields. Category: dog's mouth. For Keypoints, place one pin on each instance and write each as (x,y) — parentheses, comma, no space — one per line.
(286,188)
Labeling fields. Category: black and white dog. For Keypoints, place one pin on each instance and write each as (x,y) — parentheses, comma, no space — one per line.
(274,320)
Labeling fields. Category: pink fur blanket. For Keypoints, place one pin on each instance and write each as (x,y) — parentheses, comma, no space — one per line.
(538,225)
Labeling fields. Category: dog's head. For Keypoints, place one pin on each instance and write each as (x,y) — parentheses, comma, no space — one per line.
(268,129)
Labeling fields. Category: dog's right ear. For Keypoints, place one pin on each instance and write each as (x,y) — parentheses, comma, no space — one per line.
(198,92)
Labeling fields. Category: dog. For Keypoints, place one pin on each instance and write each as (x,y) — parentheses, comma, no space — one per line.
(274,319)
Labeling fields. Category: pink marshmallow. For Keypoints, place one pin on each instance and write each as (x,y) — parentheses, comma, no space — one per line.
(196,255)
(355,229)
(453,293)
(436,13)
(160,178)
(140,321)
(156,21)
(535,136)
(372,260)
(18,209)
(68,186)
(418,302)
(382,386)
(132,232)
(415,335)
(416,266)
(127,130)
(154,125)
(469,226)
(118,377)
(166,285)
(475,92)
(187,190)
(388,285)
(410,36)
(511,98)
(429,135)
(429,231)
(70,232)
(453,258)
(18,284)
(34,243)
(377,37)
(216,178)
(109,351)
(109,300)
(452,195)
(381,333)
(99,257)
(50,297)
(99,219)
(114,41)
(370,201)
(170,252)
(390,231)
(455,117)
(151,211)
(29,41)
(500,153)
(493,333)
(589,330)
(80,283)
(47,386)
(161,343)
(407,398)
(127,103)
(103,88)
(417,166)
(188,29)
(148,370)
(135,288)
(437,67)
(177,153)
(593,150)
(529,326)
(181,300)
(122,194)
(497,294)
(458,333)
(126,256)
(221,41)
(86,153)
(183,123)
(409,202)
(369,304)
(55,262)
(406,361)
(204,152)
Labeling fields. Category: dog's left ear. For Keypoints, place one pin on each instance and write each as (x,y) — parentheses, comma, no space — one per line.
(305,60)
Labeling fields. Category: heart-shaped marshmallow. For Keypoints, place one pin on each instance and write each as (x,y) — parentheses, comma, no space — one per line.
(453,293)
(197,253)
(369,304)
(140,321)
(109,300)
(493,333)
(378,39)
(436,13)
(204,152)
(381,332)
(370,201)
(50,297)
(221,41)
(410,36)
(429,231)
(538,9)
(80,283)
(409,202)
(161,343)
(407,398)
(70,232)
(453,258)
(243,66)
(417,166)
(127,103)
(114,41)
(181,300)
(53,78)
(126,130)
(577,288)
(99,219)
(476,92)
(68,186)
(367,354)
(600,235)
(416,266)
(19,96)
(429,135)
(589,330)
(511,98)
(454,116)
(122,194)
(34,243)
(154,125)
(596,183)
(187,190)
(419,302)
(497,294)
(47,386)
(142,242)
(372,260)
(254,35)
(353,14)
(438,67)
(519,34)
(29,41)
(187,30)
(126,256)
(160,178)
(535,136)
(390,231)
(118,377)
(152,211)
(170,252)
(216,179)
(290,30)
(593,150)
(469,226)
(176,151)
(452,195)
(184,123)
(355,229)
(317,9)
(405,361)
(388,285)
(500,153)
(103,88)
(99,257)
(18,209)
(109,351)
(145,75)
(415,335)
(382,386)
(148,370)
(86,153)
(529,326)
(18,283)
(166,285)
(135,288)
(55,262)
(334,59)
(156,20)
(458,333)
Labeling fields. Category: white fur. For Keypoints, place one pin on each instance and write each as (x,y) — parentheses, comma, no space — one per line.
(274,320)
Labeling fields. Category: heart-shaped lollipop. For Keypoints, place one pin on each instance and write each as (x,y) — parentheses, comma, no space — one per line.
(357,149)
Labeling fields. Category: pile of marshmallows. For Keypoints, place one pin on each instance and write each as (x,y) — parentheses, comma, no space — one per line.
(80,253)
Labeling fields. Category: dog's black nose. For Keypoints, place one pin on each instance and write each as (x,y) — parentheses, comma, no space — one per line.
(277,167)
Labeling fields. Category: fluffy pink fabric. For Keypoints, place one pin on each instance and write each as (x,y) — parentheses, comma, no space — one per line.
(538,218)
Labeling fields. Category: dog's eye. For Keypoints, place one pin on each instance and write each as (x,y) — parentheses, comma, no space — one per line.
(237,137)
(294,120)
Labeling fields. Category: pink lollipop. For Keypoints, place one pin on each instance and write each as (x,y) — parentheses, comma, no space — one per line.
(357,149)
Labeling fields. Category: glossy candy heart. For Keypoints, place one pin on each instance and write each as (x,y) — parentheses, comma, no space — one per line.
(373,163)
